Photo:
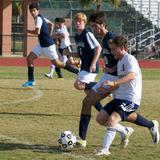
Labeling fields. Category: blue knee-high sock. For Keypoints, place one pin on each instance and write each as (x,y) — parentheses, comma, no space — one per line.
(58,71)
(141,121)
(98,106)
(83,126)
(31,73)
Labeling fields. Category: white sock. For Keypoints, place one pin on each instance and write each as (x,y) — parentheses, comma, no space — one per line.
(52,69)
(108,138)
(121,129)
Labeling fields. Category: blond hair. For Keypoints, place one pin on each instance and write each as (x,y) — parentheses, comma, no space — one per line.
(80,17)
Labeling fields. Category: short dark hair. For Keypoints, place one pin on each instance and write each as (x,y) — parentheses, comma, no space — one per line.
(119,41)
(59,20)
(98,17)
(34,5)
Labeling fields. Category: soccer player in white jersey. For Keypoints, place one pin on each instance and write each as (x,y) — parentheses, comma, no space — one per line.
(61,35)
(127,97)
(45,45)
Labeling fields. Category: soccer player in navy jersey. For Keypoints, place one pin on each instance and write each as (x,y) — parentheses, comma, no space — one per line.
(88,50)
(45,46)
(127,97)
(98,24)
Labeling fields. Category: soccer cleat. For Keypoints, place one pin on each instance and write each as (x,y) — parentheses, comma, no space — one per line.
(80,142)
(103,152)
(28,84)
(155,132)
(125,137)
(60,78)
(48,75)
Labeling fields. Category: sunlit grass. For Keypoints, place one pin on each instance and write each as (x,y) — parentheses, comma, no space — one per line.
(32,119)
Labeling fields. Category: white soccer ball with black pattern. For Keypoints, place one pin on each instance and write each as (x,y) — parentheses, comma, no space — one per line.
(67,140)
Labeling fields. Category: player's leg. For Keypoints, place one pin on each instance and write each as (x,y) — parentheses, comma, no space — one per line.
(51,53)
(52,69)
(151,125)
(59,72)
(110,116)
(64,58)
(91,99)
(79,85)
(30,59)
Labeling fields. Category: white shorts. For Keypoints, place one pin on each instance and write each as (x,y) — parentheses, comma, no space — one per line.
(104,77)
(49,52)
(86,77)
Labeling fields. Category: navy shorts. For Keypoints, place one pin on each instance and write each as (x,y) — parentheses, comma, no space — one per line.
(123,107)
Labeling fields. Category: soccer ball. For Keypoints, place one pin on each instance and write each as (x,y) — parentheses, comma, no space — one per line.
(67,140)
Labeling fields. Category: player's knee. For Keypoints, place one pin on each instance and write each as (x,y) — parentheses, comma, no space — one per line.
(57,63)
(29,60)
(132,117)
(79,86)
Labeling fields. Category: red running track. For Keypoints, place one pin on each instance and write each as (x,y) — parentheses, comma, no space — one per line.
(43,62)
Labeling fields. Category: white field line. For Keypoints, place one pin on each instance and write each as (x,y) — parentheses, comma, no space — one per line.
(38,94)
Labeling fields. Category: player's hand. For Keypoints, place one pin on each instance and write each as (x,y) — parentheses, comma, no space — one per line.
(92,68)
(108,83)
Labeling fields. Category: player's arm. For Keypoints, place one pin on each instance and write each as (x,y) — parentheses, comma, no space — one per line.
(95,59)
(50,27)
(36,31)
(130,76)
(94,44)
(38,24)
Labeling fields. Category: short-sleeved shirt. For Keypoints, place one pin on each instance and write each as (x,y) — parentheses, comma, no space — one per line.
(131,90)
(44,37)
(86,44)
(65,42)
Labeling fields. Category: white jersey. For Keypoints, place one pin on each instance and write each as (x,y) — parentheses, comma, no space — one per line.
(65,42)
(133,88)
(38,21)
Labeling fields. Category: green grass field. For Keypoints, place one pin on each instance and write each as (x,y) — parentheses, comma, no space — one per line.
(32,119)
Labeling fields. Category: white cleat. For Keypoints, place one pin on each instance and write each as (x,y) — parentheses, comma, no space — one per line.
(103,152)
(155,132)
(125,138)
(48,75)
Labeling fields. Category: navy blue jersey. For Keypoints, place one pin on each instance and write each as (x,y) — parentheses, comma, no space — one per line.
(109,59)
(86,53)
(44,37)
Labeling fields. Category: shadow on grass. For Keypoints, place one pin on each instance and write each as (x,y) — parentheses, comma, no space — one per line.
(34,147)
